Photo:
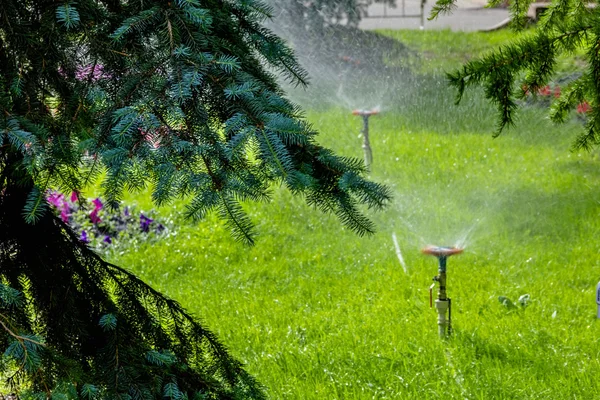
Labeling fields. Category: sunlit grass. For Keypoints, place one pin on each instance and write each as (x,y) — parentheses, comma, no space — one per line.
(316,312)
(444,51)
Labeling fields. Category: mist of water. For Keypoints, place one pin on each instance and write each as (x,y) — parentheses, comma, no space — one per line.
(347,67)
(352,70)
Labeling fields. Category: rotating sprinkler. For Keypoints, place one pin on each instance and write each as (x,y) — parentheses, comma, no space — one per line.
(365,114)
(443,304)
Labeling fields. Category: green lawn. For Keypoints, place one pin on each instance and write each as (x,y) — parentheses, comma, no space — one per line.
(316,312)
(445,50)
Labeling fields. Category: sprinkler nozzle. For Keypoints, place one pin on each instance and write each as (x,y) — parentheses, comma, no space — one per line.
(440,251)
(365,113)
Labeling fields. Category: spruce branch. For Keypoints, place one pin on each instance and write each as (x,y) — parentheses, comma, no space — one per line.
(180,95)
(498,71)
(21,339)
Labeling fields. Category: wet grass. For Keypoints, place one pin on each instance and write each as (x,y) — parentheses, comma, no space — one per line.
(316,312)
(444,50)
(441,51)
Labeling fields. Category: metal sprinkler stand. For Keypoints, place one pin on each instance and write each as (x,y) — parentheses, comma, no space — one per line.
(365,114)
(442,303)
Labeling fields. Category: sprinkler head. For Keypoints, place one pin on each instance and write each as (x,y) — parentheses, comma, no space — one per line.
(442,254)
(365,113)
(440,251)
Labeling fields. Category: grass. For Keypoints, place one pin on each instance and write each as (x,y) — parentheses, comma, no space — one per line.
(316,312)
(441,51)
(444,50)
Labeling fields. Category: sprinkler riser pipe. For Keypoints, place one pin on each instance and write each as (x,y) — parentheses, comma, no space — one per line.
(365,114)
(366,144)
(441,280)
(441,307)
(442,263)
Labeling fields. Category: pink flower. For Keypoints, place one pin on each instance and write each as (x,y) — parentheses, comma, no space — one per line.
(545,91)
(584,107)
(56,199)
(94,216)
(74,197)
(64,215)
(97,204)
(557,92)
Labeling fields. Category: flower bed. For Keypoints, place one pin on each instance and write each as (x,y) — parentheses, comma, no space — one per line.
(100,226)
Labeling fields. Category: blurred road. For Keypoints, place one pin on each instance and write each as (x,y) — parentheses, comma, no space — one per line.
(470,15)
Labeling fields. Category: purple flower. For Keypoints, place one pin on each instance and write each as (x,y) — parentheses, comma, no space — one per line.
(64,214)
(107,239)
(84,237)
(97,204)
(126,211)
(74,197)
(94,216)
(145,223)
(56,199)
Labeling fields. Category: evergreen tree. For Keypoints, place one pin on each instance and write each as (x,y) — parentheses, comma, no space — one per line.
(177,96)
(529,63)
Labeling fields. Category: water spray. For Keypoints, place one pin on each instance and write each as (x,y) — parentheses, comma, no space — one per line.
(443,303)
(365,114)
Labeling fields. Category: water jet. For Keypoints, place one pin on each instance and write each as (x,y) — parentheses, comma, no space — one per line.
(365,114)
(443,303)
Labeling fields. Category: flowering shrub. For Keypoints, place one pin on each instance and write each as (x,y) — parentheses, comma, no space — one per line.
(545,94)
(101,227)
(583,108)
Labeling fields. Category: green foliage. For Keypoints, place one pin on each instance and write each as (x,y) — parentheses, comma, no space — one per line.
(89,391)
(529,63)
(204,73)
(435,51)
(35,205)
(68,15)
(179,97)
(108,322)
(334,316)
(104,327)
